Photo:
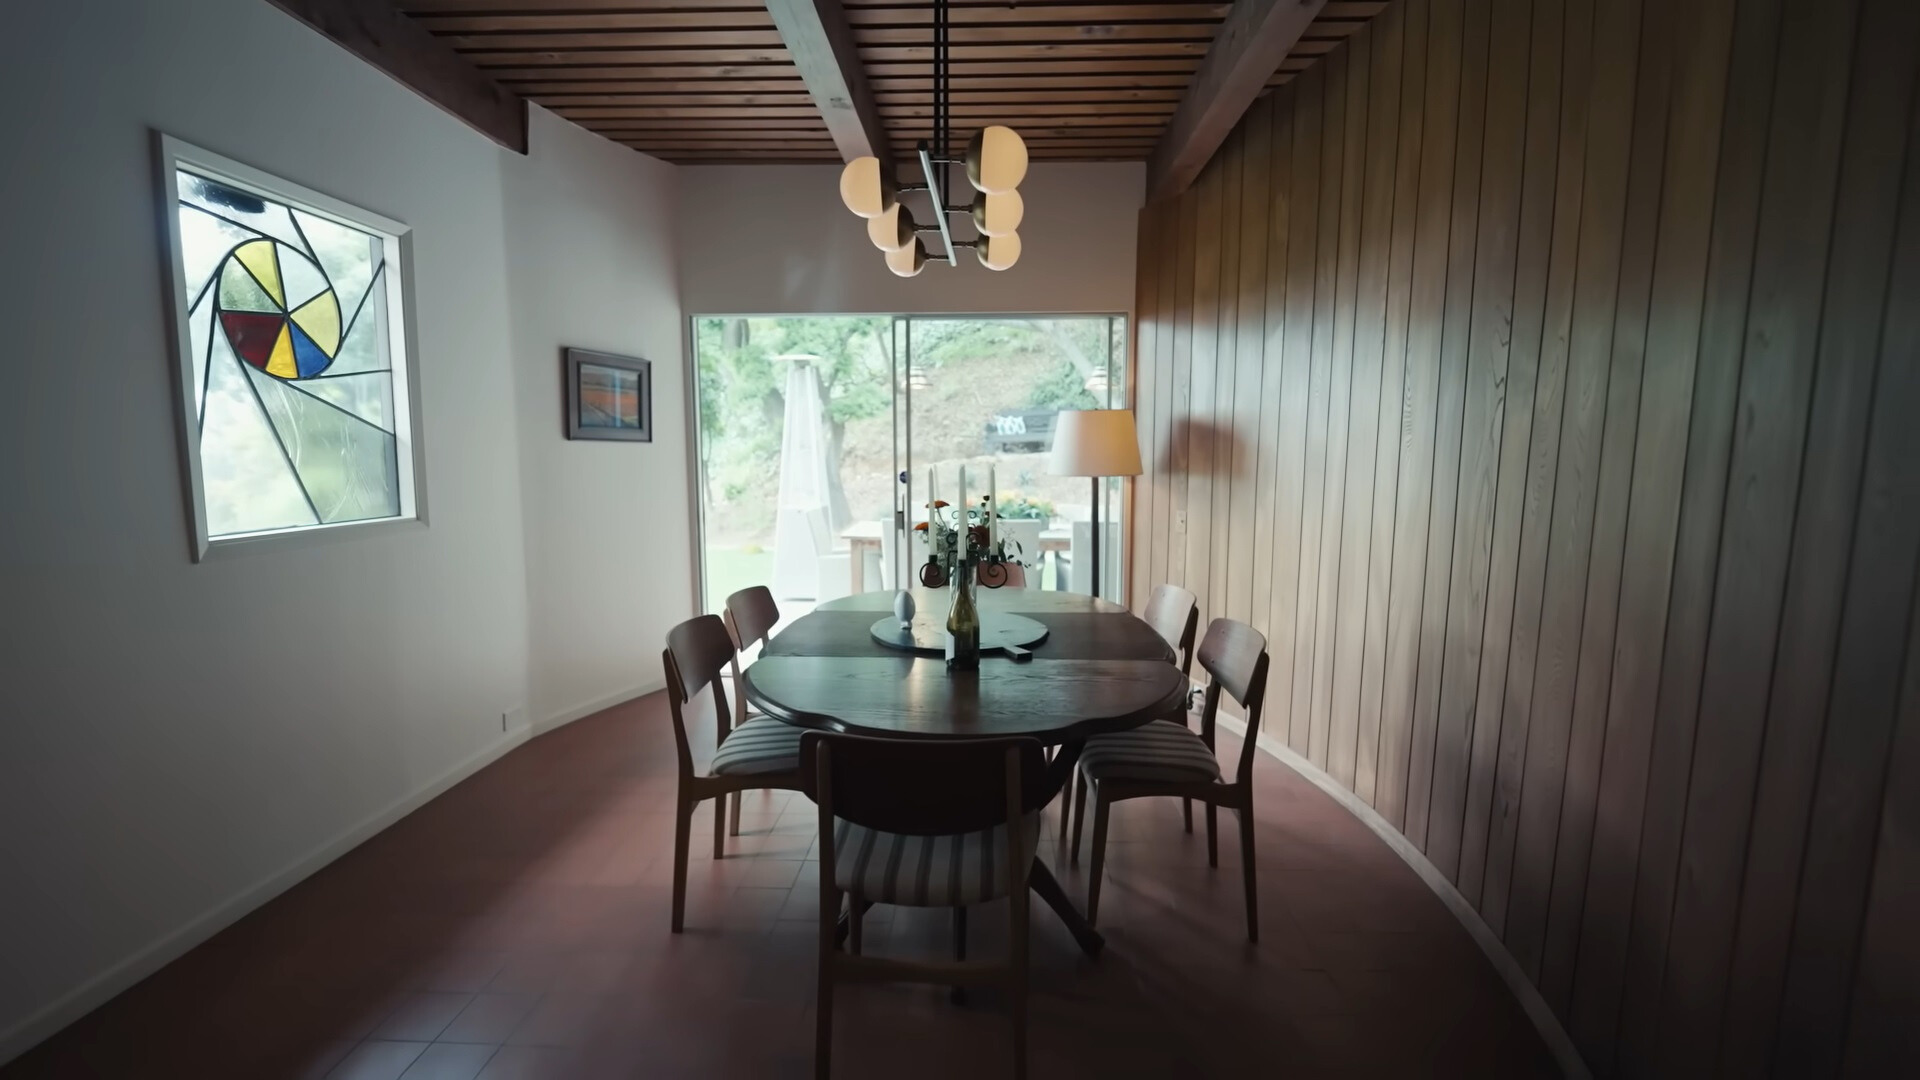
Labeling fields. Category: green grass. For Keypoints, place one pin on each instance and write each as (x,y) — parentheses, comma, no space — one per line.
(730,569)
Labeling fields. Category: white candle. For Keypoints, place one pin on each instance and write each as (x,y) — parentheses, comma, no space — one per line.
(961,520)
(993,509)
(931,498)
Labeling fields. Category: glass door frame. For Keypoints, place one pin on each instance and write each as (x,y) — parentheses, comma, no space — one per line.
(1115,493)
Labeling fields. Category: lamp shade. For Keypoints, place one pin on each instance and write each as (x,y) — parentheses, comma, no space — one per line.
(1095,442)
(909,260)
(998,252)
(891,229)
(998,215)
(996,160)
(865,187)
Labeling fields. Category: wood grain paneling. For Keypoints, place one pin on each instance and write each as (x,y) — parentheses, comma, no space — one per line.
(1515,492)
(1702,41)
(1369,344)
(1371,775)
(1540,374)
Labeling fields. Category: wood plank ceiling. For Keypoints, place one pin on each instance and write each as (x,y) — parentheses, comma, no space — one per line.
(695,81)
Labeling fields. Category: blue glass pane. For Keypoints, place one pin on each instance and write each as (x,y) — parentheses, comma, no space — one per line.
(307,357)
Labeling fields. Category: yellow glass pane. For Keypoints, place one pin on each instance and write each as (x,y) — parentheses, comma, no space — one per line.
(281,361)
(320,318)
(259,258)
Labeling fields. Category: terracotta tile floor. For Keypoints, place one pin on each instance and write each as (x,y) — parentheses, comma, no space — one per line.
(517,927)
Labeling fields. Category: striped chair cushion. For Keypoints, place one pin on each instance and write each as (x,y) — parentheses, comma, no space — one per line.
(761,745)
(1160,752)
(926,871)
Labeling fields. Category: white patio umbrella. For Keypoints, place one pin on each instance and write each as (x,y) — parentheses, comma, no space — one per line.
(801,532)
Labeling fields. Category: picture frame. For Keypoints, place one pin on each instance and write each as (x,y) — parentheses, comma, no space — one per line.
(608,397)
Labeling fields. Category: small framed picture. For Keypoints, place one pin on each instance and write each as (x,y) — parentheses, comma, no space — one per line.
(608,397)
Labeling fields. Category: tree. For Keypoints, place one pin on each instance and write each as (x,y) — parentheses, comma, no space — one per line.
(856,375)
(743,393)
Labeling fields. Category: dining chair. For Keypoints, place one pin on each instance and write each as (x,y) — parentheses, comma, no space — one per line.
(1078,575)
(923,824)
(1166,759)
(833,558)
(1174,614)
(761,753)
(750,615)
(1022,539)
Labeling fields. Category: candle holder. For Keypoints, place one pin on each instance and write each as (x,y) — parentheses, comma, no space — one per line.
(959,537)
(963,549)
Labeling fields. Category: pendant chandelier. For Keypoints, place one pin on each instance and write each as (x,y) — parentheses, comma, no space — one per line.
(995,161)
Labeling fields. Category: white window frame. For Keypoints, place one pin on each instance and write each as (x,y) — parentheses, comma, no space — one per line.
(172,155)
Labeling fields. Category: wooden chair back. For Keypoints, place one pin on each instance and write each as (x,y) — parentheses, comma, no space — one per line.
(1174,614)
(922,787)
(750,617)
(925,788)
(697,651)
(751,614)
(1234,656)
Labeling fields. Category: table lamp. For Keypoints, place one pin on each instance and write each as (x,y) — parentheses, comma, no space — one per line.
(1098,443)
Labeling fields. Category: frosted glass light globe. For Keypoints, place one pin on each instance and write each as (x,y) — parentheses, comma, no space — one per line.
(998,252)
(865,187)
(996,160)
(998,215)
(891,229)
(909,260)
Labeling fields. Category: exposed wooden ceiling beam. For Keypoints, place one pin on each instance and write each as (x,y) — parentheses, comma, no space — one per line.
(821,45)
(1255,37)
(376,31)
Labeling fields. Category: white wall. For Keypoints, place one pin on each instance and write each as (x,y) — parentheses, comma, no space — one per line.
(177,740)
(775,239)
(590,232)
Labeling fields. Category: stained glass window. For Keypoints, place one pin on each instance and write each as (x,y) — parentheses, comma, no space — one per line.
(294,374)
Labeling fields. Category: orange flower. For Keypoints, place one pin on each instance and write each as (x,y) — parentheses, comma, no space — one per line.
(938,503)
(922,527)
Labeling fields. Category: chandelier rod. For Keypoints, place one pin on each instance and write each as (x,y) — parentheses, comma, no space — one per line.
(940,209)
(940,152)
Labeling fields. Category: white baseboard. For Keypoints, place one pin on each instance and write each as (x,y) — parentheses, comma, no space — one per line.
(588,708)
(1537,1010)
(98,990)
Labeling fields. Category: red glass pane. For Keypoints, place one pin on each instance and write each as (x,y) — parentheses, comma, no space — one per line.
(252,335)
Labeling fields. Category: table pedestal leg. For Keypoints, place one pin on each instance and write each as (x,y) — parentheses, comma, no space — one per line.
(1047,888)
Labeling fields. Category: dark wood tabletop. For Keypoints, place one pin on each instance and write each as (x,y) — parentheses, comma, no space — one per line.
(1100,669)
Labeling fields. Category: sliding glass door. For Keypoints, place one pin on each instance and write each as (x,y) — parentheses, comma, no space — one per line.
(816,435)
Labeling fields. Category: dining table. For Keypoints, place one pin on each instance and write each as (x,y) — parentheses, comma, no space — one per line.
(1097,669)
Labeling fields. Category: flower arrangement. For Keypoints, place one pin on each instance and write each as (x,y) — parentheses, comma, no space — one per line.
(1019,506)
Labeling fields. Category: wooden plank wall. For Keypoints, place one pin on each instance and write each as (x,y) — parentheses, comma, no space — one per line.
(1542,377)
